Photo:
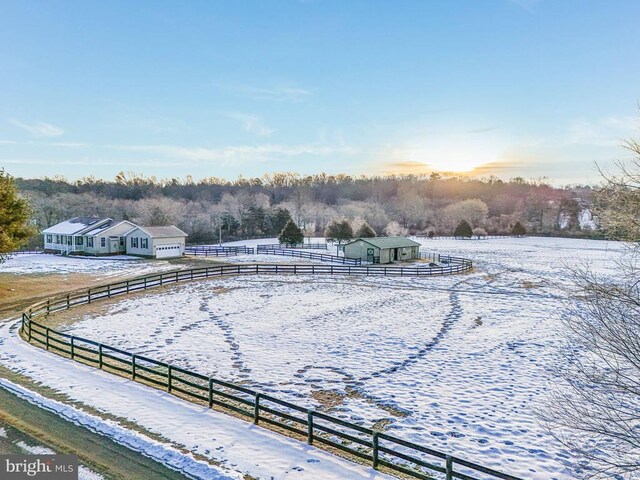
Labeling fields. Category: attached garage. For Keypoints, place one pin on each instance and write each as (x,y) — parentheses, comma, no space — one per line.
(168,251)
(156,242)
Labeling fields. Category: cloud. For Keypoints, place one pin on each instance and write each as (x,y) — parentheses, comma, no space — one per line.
(40,129)
(606,131)
(252,123)
(233,155)
(483,130)
(278,93)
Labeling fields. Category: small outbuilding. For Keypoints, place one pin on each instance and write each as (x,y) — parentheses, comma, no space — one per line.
(156,242)
(383,249)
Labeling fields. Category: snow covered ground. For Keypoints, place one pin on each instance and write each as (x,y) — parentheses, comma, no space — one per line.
(99,266)
(235,446)
(457,363)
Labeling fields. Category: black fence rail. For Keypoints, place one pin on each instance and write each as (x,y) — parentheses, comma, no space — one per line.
(25,252)
(280,246)
(375,447)
(217,251)
(322,257)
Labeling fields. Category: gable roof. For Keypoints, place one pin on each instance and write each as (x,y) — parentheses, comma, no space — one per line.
(162,232)
(387,242)
(108,226)
(76,225)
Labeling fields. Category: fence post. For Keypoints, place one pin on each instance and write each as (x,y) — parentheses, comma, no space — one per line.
(100,356)
(210,392)
(29,327)
(145,283)
(169,378)
(133,366)
(72,348)
(127,286)
(375,445)
(22,326)
(176,277)
(68,303)
(89,296)
(48,305)
(310,427)
(256,409)
(47,337)
(449,467)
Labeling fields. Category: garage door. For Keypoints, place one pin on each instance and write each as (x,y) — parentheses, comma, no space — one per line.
(167,251)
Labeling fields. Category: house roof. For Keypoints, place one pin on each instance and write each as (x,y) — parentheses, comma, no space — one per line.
(107,226)
(388,242)
(76,225)
(163,232)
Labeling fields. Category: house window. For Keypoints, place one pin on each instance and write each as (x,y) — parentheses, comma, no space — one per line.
(63,239)
(103,242)
(69,240)
(144,243)
(122,241)
(79,241)
(49,238)
(90,242)
(57,238)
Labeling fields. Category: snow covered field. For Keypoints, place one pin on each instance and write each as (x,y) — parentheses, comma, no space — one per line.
(99,266)
(457,363)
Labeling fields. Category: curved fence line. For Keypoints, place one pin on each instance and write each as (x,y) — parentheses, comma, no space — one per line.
(375,447)
(322,257)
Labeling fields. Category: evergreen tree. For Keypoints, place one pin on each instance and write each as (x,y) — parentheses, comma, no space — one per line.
(291,233)
(518,230)
(463,230)
(339,231)
(280,217)
(14,216)
(365,231)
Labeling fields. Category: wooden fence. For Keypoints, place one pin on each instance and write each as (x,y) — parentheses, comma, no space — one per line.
(217,250)
(305,246)
(322,257)
(25,252)
(326,431)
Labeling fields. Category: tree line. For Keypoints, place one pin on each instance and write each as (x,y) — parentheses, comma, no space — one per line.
(212,208)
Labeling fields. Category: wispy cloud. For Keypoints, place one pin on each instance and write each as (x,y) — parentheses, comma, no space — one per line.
(251,123)
(606,131)
(277,93)
(39,129)
(483,129)
(233,155)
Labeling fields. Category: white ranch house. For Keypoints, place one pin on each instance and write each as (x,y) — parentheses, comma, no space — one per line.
(105,236)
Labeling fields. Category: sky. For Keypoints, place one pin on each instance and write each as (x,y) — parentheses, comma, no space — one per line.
(530,88)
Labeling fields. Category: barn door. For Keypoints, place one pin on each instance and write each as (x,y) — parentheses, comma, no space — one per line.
(370,255)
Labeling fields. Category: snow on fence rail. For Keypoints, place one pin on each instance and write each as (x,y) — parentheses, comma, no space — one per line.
(217,250)
(323,257)
(280,246)
(25,252)
(373,446)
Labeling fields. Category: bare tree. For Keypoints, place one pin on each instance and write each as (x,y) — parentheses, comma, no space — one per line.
(595,407)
